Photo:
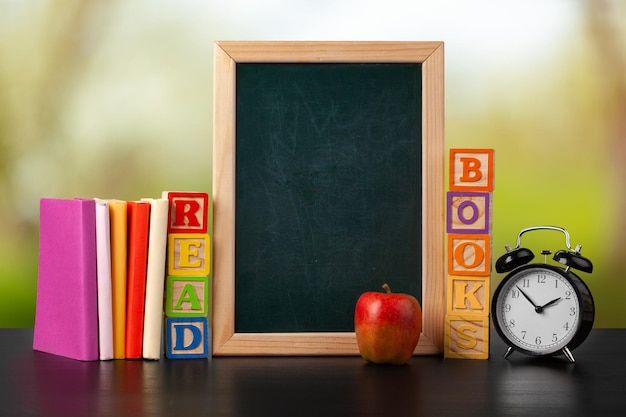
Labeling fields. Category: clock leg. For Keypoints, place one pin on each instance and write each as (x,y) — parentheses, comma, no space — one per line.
(568,354)
(508,352)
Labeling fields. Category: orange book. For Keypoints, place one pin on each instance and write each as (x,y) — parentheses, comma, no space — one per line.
(118,222)
(138,233)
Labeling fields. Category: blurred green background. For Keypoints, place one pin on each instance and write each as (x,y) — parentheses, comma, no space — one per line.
(114,99)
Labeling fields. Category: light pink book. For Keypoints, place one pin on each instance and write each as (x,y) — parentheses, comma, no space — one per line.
(66,316)
(103,262)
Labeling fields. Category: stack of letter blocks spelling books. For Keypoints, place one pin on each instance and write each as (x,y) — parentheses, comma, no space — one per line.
(469,213)
(102,277)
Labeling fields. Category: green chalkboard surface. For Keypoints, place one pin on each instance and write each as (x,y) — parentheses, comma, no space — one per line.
(328,191)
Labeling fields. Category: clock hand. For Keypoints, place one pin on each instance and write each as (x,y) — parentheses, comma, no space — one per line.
(549,303)
(528,298)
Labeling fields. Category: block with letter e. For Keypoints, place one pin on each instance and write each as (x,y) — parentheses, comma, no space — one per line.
(471,169)
(188,212)
(186,337)
(466,337)
(188,254)
(187,296)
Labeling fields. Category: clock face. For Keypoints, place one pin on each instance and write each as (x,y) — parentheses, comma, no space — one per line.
(537,310)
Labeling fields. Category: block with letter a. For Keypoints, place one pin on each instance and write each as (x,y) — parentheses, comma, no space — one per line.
(469,214)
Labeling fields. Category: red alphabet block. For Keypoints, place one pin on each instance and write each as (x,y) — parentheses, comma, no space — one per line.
(188,212)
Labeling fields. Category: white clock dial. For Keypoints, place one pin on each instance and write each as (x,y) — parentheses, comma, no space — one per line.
(538,310)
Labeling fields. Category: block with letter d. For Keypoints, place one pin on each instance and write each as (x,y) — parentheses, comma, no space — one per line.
(186,337)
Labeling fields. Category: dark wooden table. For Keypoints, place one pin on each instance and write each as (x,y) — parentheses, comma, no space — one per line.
(39,384)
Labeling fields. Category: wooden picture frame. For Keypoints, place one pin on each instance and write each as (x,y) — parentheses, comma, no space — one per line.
(225,340)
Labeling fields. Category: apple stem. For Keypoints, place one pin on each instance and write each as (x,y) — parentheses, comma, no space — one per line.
(387,288)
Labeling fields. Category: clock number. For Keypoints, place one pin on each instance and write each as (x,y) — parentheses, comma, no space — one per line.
(538,340)
(523,334)
(541,279)
(572,311)
(526,283)
(566,326)
(515,294)
(554,338)
(568,295)
(511,323)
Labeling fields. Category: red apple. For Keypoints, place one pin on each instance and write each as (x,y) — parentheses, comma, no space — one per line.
(387,326)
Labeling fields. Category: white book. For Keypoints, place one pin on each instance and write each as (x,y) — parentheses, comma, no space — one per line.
(155,278)
(103,266)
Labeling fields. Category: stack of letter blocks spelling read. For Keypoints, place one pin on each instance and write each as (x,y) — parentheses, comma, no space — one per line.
(469,213)
(111,270)
(187,285)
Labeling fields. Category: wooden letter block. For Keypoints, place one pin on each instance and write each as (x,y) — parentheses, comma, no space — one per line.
(188,212)
(187,338)
(471,170)
(469,254)
(187,296)
(466,337)
(468,212)
(468,296)
(188,254)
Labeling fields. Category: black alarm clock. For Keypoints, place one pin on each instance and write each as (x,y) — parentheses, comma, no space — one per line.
(541,309)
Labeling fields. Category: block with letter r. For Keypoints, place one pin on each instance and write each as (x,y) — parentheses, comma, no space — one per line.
(471,169)
(186,337)
(188,212)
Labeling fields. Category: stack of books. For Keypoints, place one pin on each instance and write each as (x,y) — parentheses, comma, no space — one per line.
(102,273)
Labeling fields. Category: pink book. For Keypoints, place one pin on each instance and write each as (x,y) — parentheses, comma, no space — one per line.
(66,316)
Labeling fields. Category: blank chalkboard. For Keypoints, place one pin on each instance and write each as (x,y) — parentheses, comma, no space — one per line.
(328,191)
(324,170)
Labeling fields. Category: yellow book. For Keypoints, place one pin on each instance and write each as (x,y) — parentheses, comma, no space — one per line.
(118,217)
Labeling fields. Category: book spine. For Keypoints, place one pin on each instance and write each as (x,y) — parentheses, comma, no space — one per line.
(138,229)
(103,262)
(155,279)
(118,213)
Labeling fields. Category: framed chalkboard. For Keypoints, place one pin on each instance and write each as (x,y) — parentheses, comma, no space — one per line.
(328,182)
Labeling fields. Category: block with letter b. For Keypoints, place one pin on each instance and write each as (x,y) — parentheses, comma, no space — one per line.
(188,254)
(471,169)
(186,337)
(188,212)
(187,296)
